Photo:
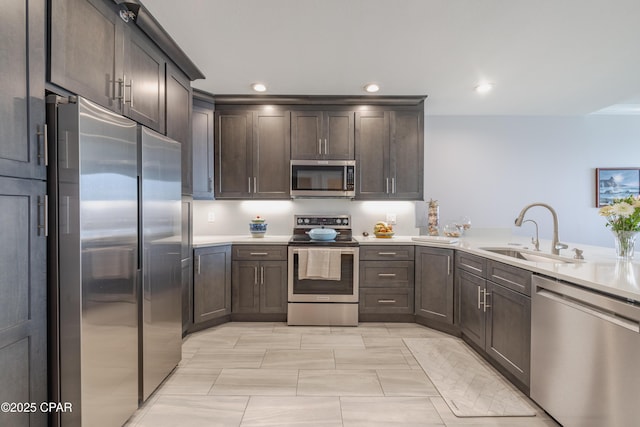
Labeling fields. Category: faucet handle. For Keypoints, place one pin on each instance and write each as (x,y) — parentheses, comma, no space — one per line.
(561,246)
(578,254)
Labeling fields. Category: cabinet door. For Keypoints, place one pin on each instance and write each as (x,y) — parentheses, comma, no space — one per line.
(372,155)
(306,135)
(471,315)
(233,156)
(22,68)
(202,146)
(407,158)
(144,81)
(338,135)
(508,339)
(211,283)
(178,120)
(273,287)
(246,287)
(23,299)
(86,50)
(271,154)
(434,284)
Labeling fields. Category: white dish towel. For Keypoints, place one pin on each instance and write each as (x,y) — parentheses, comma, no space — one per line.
(319,264)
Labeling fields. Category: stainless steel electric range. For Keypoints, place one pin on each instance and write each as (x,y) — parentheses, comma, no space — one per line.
(323,275)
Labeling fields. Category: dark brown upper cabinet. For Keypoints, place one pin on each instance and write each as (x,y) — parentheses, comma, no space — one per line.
(252,153)
(322,135)
(389,153)
(96,54)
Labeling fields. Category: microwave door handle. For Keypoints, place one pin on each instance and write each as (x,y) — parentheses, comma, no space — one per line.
(344,179)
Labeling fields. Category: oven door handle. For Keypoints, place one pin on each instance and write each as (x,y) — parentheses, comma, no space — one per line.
(342,250)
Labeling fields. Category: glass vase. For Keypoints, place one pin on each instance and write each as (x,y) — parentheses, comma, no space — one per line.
(625,242)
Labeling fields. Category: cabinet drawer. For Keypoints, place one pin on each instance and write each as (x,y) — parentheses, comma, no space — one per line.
(386,253)
(389,274)
(259,252)
(471,263)
(397,300)
(510,277)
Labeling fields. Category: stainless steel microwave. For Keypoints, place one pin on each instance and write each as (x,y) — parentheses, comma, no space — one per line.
(323,178)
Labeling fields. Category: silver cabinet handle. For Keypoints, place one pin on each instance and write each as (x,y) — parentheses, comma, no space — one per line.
(43,202)
(479,298)
(120,97)
(393,185)
(131,92)
(124,90)
(448,265)
(484,301)
(386,274)
(198,264)
(387,253)
(387,181)
(320,146)
(326,147)
(386,301)
(471,267)
(45,144)
(255,185)
(255,275)
(249,178)
(262,275)
(258,253)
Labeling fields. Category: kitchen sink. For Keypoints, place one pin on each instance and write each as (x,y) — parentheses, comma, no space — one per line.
(532,256)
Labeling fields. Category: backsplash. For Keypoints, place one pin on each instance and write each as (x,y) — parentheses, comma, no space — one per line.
(232,217)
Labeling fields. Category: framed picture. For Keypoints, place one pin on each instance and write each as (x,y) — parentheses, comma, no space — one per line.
(616,183)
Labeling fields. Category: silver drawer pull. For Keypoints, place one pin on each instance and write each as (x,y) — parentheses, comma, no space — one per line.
(471,267)
(386,301)
(387,253)
(259,253)
(386,274)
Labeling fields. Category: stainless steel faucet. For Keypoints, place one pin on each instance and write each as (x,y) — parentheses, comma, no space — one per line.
(535,241)
(555,244)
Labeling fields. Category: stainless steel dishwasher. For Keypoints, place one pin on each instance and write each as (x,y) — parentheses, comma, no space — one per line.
(585,355)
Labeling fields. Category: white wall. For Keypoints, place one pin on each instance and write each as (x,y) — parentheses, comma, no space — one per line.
(485,167)
(490,167)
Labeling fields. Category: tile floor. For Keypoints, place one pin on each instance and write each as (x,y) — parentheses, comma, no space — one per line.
(271,374)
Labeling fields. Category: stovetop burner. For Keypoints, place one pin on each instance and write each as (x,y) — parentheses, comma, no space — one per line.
(341,223)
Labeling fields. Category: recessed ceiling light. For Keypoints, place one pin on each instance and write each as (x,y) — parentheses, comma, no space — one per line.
(484,87)
(371,87)
(259,87)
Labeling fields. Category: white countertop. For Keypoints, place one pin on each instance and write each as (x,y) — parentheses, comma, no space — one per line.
(600,270)
(240,239)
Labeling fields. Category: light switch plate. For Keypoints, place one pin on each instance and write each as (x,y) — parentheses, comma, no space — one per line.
(211,216)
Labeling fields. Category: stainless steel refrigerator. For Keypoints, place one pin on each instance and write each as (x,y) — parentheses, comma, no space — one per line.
(115,286)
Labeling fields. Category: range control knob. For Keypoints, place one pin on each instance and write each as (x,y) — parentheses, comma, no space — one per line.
(306,220)
(338,221)
(300,221)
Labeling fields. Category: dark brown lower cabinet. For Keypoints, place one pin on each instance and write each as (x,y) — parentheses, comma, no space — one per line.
(386,277)
(496,318)
(211,283)
(23,300)
(259,281)
(434,284)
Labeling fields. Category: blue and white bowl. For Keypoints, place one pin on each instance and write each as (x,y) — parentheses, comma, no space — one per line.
(258,229)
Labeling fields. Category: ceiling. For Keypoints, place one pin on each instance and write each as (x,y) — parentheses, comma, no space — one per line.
(544,57)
